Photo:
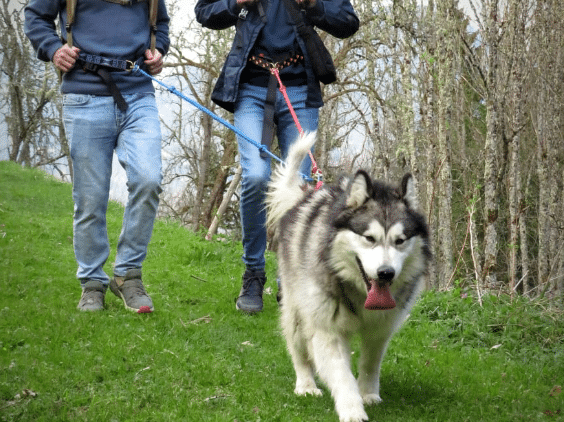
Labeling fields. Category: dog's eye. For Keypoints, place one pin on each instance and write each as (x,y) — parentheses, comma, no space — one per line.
(371,239)
(399,241)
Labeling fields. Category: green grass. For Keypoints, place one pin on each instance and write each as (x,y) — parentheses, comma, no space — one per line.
(196,359)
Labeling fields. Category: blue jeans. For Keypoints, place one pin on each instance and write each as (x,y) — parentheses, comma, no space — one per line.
(96,128)
(248,117)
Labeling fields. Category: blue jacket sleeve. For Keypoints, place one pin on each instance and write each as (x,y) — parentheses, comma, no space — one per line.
(216,14)
(163,20)
(39,27)
(337,17)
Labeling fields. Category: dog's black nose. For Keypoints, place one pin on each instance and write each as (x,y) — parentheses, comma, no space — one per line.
(386,273)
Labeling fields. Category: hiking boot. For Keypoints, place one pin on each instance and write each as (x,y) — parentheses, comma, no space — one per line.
(250,296)
(92,298)
(130,289)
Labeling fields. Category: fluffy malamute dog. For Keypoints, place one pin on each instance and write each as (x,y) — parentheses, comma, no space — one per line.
(351,260)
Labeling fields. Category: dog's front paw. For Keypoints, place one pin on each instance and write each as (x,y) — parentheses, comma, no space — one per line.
(350,409)
(357,416)
(303,389)
(371,398)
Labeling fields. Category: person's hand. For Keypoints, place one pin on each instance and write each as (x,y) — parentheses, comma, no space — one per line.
(65,58)
(154,61)
(245,3)
(306,4)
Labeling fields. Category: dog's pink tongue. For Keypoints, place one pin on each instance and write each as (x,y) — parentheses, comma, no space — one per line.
(379,297)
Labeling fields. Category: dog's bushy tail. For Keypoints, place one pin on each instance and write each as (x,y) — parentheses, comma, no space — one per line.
(287,186)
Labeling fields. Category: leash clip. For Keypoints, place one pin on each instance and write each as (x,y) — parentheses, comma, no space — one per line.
(318,178)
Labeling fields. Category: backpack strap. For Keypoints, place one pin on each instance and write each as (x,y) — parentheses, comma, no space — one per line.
(71,8)
(153,9)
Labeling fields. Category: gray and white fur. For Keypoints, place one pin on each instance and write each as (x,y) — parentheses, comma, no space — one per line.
(335,245)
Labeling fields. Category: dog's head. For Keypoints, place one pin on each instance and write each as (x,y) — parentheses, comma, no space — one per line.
(381,237)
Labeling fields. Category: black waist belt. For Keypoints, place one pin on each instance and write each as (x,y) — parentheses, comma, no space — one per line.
(103,66)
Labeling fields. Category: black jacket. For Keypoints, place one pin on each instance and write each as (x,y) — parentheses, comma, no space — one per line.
(337,17)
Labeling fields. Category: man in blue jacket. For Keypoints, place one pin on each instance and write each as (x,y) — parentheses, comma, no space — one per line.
(107,108)
(265,30)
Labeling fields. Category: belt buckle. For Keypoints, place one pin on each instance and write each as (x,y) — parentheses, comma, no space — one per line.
(90,67)
(129,65)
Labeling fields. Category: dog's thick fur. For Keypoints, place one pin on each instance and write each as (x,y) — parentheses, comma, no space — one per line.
(336,247)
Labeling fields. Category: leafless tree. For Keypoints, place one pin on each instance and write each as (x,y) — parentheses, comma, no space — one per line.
(200,152)
(30,103)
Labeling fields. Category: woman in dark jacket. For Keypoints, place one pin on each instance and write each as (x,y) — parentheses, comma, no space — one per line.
(264,29)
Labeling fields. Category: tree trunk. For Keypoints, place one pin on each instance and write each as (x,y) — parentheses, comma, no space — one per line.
(514,175)
(445,101)
(491,148)
(217,191)
(217,218)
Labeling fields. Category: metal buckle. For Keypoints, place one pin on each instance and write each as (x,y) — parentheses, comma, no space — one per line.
(130,66)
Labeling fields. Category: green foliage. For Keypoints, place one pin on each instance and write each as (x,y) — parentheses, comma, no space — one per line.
(197,359)
(500,323)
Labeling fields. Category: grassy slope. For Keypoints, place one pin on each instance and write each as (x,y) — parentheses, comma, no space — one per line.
(196,359)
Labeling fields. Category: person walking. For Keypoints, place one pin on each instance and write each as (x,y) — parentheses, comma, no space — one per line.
(266,34)
(107,108)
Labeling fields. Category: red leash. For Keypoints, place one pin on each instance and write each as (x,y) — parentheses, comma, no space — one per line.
(314,170)
(274,68)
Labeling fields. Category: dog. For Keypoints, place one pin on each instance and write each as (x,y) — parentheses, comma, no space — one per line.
(351,259)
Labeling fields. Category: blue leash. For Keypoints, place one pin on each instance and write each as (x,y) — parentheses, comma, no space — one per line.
(224,122)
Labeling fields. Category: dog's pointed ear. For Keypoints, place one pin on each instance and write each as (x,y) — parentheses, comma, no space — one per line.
(360,189)
(408,192)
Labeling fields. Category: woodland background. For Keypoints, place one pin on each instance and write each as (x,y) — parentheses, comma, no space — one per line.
(469,102)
